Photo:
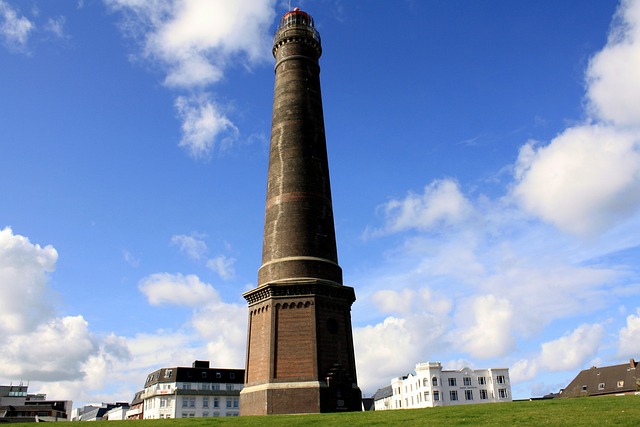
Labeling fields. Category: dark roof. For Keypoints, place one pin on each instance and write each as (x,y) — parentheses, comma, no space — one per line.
(382,393)
(595,381)
(197,373)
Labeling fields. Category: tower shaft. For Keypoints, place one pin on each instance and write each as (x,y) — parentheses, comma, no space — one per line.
(300,356)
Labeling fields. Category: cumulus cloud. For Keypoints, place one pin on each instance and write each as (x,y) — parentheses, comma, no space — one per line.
(34,342)
(441,204)
(629,337)
(587,179)
(413,332)
(612,76)
(177,289)
(54,351)
(24,274)
(194,42)
(487,328)
(571,352)
(218,329)
(14,28)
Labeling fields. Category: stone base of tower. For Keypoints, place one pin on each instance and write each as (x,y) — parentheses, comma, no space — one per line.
(298,398)
(300,356)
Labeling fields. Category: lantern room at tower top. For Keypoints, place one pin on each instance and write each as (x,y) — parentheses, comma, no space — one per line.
(298,18)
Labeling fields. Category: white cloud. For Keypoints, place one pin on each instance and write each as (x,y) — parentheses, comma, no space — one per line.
(14,29)
(224,329)
(130,259)
(194,42)
(486,330)
(412,334)
(54,351)
(612,76)
(177,289)
(202,125)
(629,339)
(571,351)
(25,300)
(222,265)
(587,179)
(34,343)
(441,204)
(193,247)
(56,26)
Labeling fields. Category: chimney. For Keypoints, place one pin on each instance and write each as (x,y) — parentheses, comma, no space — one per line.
(200,364)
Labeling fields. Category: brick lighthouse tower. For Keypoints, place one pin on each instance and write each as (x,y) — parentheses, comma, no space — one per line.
(300,356)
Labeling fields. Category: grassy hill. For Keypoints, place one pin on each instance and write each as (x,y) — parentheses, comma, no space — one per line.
(593,411)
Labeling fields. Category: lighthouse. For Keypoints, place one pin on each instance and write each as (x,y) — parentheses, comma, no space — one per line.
(300,356)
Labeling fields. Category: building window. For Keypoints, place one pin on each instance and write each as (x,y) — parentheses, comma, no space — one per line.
(425,382)
(185,402)
(192,402)
(232,375)
(452,382)
(482,380)
(584,388)
(468,395)
(434,381)
(206,386)
(216,414)
(218,375)
(502,393)
(205,402)
(216,402)
(601,386)
(453,395)
(621,383)
(228,403)
(205,414)
(186,386)
(500,379)
(483,394)
(215,386)
(229,387)
(436,395)
(204,375)
(167,373)
(466,381)
(426,396)
(236,402)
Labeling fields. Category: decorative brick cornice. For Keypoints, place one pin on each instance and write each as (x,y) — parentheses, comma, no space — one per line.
(300,287)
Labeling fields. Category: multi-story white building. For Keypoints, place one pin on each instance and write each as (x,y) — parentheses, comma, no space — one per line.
(432,386)
(183,392)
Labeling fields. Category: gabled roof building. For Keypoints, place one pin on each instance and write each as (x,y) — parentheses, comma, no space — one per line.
(432,386)
(607,380)
(189,392)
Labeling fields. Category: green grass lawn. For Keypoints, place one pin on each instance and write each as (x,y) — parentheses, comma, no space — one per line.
(592,411)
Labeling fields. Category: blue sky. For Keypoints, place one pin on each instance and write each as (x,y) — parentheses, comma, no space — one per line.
(485,167)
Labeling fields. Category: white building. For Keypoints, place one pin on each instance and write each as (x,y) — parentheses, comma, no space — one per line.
(432,386)
(189,392)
